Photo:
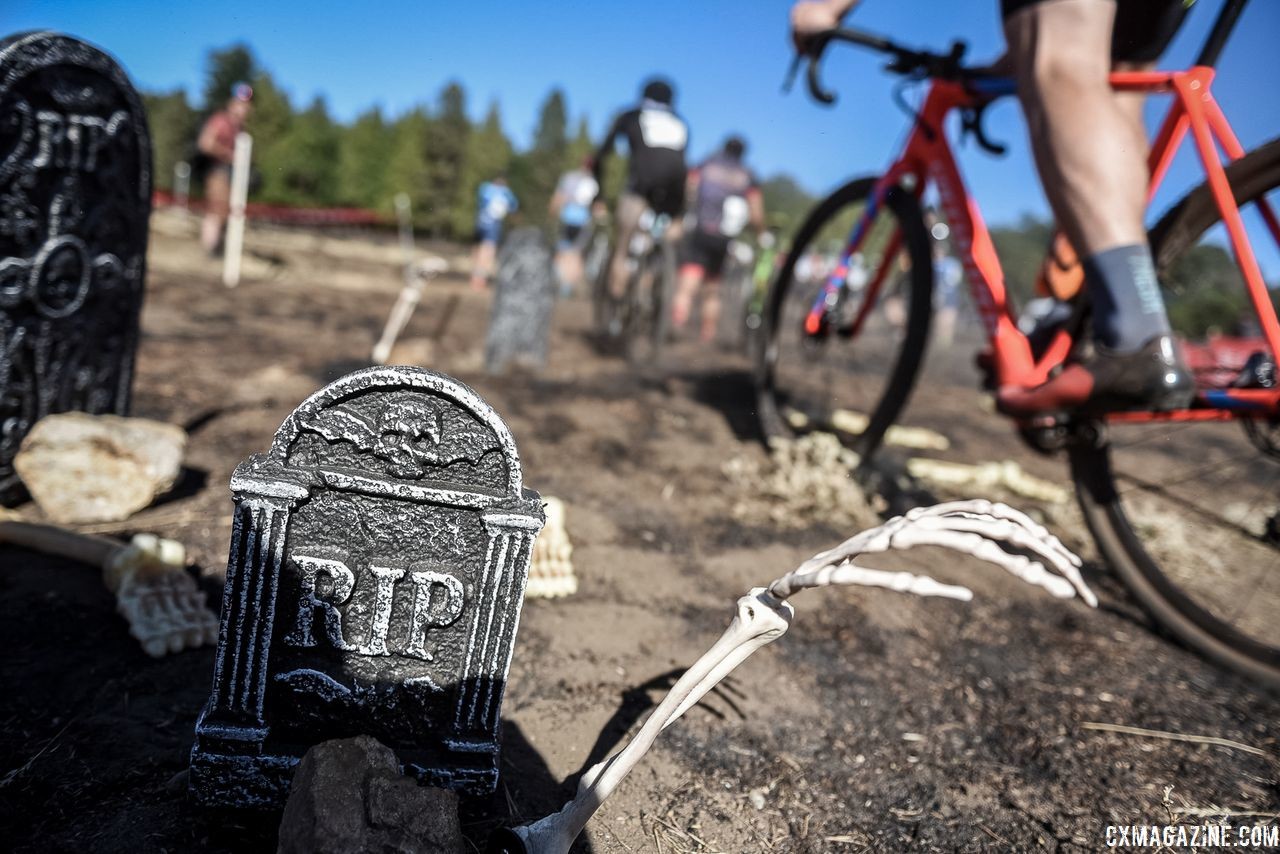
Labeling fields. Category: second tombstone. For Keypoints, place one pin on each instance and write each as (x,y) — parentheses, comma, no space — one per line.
(75,198)
(523,301)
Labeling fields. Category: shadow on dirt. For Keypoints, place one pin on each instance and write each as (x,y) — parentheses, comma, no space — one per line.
(732,393)
(636,701)
(526,792)
(190,482)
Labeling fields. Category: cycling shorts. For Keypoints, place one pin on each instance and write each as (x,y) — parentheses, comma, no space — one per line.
(572,237)
(1142,29)
(664,195)
(706,252)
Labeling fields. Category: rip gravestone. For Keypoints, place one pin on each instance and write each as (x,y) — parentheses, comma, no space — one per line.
(378,561)
(523,300)
(75,197)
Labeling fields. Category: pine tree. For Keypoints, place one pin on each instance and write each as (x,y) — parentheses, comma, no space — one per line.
(223,69)
(269,124)
(407,170)
(445,154)
(488,155)
(581,147)
(303,166)
(539,170)
(174,127)
(363,153)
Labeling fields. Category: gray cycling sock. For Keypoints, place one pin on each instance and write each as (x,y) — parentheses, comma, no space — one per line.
(1128,309)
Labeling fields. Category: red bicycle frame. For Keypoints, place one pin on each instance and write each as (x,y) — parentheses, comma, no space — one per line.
(927,158)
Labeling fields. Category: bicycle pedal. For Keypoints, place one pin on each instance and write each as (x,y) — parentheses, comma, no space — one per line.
(1045,435)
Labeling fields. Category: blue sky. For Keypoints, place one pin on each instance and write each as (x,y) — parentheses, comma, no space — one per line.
(728,59)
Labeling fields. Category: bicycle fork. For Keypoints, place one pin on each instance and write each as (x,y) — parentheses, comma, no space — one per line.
(837,281)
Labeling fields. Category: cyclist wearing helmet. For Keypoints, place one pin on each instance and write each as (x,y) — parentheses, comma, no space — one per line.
(1095,176)
(216,146)
(656,138)
(726,200)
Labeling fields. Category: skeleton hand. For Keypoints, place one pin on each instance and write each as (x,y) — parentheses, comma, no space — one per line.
(972,527)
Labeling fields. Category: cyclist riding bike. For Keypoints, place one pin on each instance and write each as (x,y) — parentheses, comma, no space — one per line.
(1061,52)
(726,200)
(657,138)
(571,206)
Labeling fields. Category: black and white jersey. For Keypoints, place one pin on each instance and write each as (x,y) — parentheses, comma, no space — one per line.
(657,138)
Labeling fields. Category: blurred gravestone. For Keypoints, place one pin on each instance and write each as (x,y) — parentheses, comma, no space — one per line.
(523,300)
(75,197)
(378,561)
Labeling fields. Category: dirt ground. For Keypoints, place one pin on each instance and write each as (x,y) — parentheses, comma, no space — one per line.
(879,723)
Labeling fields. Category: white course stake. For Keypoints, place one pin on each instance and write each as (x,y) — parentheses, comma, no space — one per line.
(406,234)
(182,184)
(416,275)
(235,224)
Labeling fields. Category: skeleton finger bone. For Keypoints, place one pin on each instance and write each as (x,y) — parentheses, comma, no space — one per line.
(1003,530)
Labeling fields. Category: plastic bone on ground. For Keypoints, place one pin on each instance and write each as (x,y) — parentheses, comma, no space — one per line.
(977,528)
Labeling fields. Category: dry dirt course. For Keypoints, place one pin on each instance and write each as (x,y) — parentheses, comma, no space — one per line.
(879,723)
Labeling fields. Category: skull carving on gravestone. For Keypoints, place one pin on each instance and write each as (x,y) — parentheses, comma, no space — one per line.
(408,433)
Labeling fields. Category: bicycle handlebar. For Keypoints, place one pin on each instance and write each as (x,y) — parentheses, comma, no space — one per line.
(906,61)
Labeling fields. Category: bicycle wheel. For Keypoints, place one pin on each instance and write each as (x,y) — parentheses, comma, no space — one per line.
(602,307)
(735,304)
(1188,513)
(646,327)
(852,385)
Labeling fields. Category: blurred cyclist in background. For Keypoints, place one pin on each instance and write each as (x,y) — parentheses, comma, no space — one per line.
(494,202)
(656,138)
(217,146)
(571,206)
(726,200)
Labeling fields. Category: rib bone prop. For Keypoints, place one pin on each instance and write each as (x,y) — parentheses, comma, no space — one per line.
(165,610)
(551,567)
(977,528)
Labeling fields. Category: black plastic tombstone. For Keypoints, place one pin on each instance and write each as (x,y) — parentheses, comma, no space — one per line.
(523,300)
(378,563)
(75,197)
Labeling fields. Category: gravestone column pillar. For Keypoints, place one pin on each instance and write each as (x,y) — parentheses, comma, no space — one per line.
(506,570)
(233,721)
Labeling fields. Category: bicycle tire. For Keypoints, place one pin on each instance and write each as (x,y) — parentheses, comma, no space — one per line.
(646,327)
(603,306)
(1096,481)
(910,353)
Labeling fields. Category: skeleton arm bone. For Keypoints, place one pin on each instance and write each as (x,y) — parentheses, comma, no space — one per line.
(972,527)
(165,610)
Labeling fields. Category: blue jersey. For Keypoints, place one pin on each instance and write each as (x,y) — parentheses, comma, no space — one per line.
(493,203)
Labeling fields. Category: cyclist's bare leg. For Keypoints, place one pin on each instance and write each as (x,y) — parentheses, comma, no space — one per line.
(482,259)
(1095,176)
(569,265)
(690,280)
(710,309)
(629,210)
(1094,173)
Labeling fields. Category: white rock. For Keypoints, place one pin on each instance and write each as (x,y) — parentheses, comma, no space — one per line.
(98,468)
